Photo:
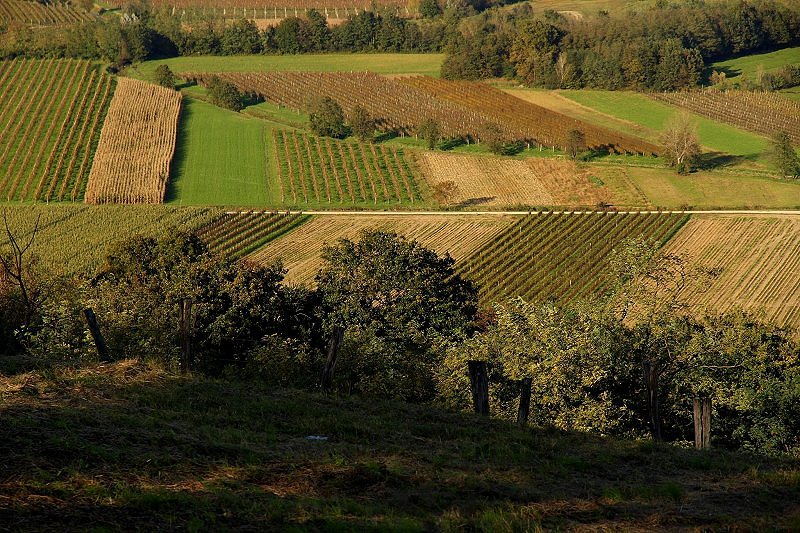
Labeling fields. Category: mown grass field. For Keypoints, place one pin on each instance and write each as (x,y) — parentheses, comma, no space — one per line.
(640,187)
(640,109)
(221,158)
(748,65)
(123,446)
(428,64)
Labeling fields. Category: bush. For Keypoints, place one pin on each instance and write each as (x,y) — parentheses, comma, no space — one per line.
(361,124)
(165,77)
(225,94)
(327,118)
(430,132)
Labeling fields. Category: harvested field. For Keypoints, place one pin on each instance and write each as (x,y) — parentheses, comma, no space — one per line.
(503,181)
(41,13)
(136,146)
(50,116)
(758,258)
(301,250)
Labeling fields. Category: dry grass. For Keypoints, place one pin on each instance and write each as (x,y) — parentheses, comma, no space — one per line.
(503,181)
(758,258)
(128,447)
(136,146)
(301,251)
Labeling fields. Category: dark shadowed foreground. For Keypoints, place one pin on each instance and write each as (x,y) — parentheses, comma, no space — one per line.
(125,446)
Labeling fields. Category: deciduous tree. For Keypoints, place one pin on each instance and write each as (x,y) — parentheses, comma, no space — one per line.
(680,142)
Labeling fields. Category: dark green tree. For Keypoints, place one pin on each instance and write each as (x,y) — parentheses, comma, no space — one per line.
(429,8)
(784,155)
(241,37)
(225,94)
(327,118)
(362,124)
(164,76)
(395,298)
(429,131)
(576,143)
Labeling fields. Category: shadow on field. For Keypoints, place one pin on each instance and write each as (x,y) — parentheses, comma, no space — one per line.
(171,193)
(127,447)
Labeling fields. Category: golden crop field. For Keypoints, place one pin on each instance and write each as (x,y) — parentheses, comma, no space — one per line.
(44,13)
(131,165)
(503,181)
(74,238)
(301,250)
(50,116)
(758,259)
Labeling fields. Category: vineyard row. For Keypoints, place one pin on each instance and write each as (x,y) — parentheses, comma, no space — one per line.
(238,234)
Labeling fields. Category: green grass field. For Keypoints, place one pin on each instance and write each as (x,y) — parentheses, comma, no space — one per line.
(428,64)
(221,158)
(748,65)
(122,446)
(636,187)
(646,112)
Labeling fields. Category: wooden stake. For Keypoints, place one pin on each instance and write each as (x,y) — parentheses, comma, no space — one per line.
(94,329)
(702,423)
(185,326)
(651,385)
(524,401)
(479,380)
(330,363)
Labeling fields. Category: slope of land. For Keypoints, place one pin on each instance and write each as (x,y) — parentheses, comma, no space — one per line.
(757,259)
(559,256)
(137,142)
(237,234)
(44,13)
(123,446)
(639,187)
(639,109)
(428,64)
(749,65)
(508,182)
(301,251)
(221,157)
(50,117)
(76,238)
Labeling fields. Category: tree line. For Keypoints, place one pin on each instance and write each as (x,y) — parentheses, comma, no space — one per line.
(664,48)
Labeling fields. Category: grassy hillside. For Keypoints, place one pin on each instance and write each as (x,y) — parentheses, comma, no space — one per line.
(640,109)
(428,64)
(748,65)
(221,157)
(126,447)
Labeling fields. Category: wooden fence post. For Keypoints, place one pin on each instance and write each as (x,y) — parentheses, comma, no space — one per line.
(185,326)
(479,380)
(330,362)
(524,401)
(651,385)
(94,329)
(702,423)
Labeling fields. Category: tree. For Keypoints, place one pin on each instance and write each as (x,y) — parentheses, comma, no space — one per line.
(681,145)
(225,94)
(165,77)
(784,155)
(327,118)
(576,143)
(361,123)
(429,131)
(396,299)
(241,37)
(445,192)
(534,50)
(493,136)
(429,8)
